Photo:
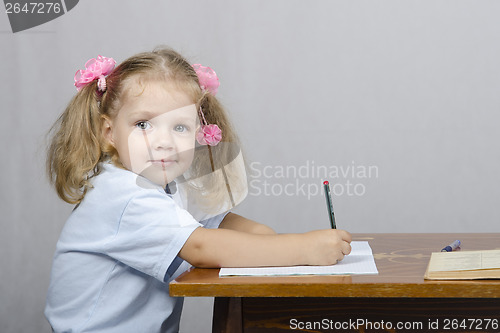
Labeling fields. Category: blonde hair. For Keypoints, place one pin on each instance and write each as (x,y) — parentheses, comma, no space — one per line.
(78,146)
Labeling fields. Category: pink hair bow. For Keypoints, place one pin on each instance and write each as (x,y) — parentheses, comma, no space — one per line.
(207,77)
(209,135)
(95,68)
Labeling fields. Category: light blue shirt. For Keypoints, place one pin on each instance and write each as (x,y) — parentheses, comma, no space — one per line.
(115,256)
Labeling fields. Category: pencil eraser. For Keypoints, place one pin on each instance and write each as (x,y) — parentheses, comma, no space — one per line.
(326,182)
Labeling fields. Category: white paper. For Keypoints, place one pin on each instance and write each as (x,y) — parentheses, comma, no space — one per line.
(360,261)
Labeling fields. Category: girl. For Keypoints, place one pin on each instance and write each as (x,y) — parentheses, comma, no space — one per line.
(142,150)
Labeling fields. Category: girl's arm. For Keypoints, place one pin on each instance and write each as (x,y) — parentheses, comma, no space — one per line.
(213,248)
(239,223)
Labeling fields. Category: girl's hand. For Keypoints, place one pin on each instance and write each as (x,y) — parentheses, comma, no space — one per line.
(326,247)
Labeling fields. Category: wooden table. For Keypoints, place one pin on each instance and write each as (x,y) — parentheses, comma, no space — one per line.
(398,299)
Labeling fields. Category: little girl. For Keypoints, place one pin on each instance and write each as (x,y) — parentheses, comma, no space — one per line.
(148,156)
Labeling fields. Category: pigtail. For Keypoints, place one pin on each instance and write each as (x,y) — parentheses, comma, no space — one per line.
(215,114)
(218,176)
(74,151)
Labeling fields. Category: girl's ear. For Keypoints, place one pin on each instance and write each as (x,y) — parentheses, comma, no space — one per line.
(107,130)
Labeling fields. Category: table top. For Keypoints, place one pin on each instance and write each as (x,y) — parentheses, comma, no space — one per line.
(401,260)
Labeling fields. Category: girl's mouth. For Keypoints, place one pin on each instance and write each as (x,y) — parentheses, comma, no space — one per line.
(163,162)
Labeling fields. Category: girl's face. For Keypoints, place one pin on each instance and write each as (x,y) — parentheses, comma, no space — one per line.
(154,131)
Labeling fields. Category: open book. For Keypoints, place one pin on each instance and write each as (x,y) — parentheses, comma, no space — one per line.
(464,265)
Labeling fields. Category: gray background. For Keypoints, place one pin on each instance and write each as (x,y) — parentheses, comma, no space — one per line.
(408,88)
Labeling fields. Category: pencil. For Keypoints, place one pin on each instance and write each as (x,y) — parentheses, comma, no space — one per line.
(329,205)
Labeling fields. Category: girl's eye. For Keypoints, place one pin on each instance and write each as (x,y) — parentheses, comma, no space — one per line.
(180,128)
(143,125)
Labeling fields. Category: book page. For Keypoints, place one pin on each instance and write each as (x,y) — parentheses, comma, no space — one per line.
(490,259)
(360,261)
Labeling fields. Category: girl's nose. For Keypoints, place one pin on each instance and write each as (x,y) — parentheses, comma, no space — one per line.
(163,139)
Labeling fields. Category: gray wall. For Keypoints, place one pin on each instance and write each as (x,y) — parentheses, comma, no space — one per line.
(399,101)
